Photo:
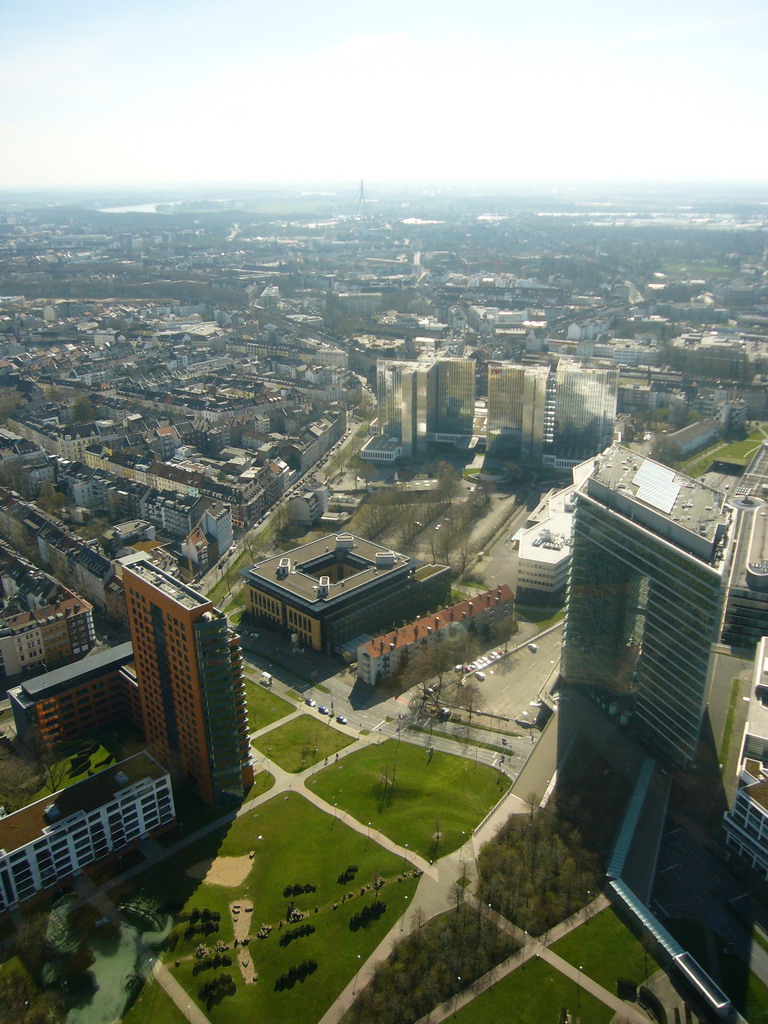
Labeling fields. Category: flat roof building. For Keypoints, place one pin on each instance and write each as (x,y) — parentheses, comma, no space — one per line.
(78,699)
(516,403)
(333,589)
(47,842)
(544,550)
(428,399)
(645,596)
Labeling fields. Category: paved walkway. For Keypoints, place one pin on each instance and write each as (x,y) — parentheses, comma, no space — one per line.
(535,949)
(434,894)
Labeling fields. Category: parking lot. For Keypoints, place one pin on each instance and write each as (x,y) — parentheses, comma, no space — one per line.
(512,682)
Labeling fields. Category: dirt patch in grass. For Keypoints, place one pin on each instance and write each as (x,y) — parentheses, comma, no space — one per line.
(229,871)
(242,918)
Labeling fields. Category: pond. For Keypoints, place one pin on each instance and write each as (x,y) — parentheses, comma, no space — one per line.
(98,965)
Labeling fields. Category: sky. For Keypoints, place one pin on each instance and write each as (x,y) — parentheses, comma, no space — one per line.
(97,93)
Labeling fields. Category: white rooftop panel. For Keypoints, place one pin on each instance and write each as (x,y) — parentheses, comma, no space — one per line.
(656,485)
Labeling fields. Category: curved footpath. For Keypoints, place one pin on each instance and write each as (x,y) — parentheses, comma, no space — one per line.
(433,895)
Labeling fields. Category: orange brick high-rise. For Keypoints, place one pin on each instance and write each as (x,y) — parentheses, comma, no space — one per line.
(189,671)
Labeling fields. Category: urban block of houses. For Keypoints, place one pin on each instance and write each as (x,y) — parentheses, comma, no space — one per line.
(381,658)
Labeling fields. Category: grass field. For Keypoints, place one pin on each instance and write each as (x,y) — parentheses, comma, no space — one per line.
(76,760)
(294,843)
(264,707)
(155,1006)
(728,729)
(737,451)
(606,949)
(538,993)
(543,617)
(303,742)
(446,794)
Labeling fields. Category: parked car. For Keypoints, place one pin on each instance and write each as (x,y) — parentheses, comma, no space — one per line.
(323,710)
(310,703)
(341,719)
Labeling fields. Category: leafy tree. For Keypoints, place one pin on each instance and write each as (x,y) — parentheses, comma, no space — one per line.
(83,410)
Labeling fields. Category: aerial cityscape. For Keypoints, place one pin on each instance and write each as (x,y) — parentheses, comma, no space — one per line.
(383,513)
(384,610)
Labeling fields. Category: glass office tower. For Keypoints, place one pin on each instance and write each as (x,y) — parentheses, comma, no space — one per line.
(581,409)
(425,399)
(645,596)
(516,405)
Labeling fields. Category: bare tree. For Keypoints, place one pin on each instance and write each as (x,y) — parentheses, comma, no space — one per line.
(470,697)
(18,780)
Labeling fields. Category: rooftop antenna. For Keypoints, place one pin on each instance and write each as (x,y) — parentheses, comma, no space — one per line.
(361,198)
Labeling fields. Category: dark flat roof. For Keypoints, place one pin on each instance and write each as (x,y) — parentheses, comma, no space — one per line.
(79,671)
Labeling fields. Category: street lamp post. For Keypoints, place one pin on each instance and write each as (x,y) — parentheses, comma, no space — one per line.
(357,974)
(402,919)
(578,986)
(369,836)
(405,857)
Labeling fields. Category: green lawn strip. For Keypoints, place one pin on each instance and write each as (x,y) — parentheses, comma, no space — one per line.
(759,938)
(543,617)
(302,742)
(538,993)
(153,1004)
(606,949)
(742,986)
(264,707)
(458,739)
(294,843)
(451,792)
(728,729)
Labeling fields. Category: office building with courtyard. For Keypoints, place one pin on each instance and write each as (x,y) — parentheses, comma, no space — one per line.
(332,590)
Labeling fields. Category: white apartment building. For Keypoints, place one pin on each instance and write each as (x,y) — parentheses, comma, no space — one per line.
(382,657)
(48,842)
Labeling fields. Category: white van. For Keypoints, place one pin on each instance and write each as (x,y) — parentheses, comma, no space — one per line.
(532,648)
(266,680)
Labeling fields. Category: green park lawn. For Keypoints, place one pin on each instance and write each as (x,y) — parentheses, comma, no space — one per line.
(302,742)
(264,707)
(606,949)
(154,1005)
(533,994)
(294,843)
(409,797)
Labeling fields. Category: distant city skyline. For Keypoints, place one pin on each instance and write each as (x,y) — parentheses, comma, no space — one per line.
(106,95)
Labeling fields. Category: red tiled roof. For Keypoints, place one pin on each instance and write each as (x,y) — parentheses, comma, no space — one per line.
(431,624)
